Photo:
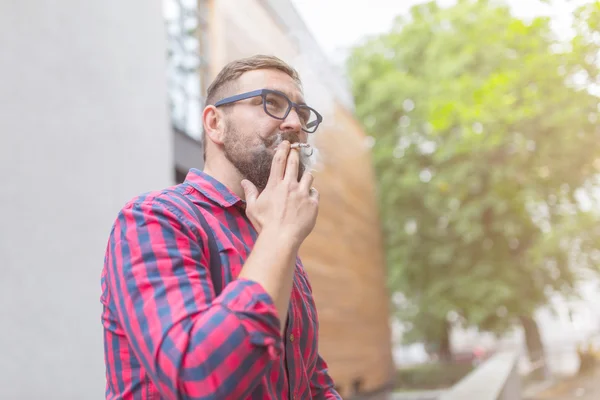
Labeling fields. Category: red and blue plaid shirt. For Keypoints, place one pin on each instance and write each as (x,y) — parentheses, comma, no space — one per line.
(166,335)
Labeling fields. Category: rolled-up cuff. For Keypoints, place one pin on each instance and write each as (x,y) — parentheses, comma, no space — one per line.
(255,307)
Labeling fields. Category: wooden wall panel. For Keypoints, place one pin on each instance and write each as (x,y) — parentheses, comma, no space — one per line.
(243,28)
(345,261)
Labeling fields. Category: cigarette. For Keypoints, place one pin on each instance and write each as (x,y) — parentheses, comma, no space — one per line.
(296,145)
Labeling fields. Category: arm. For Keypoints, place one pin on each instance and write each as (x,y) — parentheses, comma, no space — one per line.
(321,384)
(277,282)
(191,344)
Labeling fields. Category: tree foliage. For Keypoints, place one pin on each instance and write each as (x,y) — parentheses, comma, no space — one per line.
(487,152)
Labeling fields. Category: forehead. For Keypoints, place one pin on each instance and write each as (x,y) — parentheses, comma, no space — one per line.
(270,79)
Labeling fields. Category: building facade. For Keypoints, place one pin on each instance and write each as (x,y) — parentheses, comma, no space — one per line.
(89,119)
(343,256)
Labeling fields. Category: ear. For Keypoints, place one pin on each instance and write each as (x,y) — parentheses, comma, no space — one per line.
(212,120)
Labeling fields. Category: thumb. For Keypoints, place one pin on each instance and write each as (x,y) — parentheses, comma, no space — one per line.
(250,191)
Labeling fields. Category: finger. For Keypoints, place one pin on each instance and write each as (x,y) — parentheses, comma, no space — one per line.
(314,194)
(279,161)
(291,168)
(250,191)
(306,181)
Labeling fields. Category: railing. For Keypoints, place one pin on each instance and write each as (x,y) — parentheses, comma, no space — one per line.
(496,379)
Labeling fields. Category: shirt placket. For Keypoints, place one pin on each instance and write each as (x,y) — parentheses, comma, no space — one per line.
(291,345)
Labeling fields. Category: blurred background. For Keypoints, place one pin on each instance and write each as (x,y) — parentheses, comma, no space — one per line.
(457,250)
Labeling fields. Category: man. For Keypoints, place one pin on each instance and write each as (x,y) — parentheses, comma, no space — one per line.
(167,334)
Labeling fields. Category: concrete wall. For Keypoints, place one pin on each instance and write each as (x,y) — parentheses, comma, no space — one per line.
(83,127)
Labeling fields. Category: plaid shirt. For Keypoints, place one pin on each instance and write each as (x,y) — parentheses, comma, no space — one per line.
(166,335)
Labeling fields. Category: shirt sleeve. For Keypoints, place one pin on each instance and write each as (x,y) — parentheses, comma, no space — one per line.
(192,344)
(321,384)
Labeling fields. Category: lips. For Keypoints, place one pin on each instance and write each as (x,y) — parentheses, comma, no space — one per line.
(275,140)
(298,145)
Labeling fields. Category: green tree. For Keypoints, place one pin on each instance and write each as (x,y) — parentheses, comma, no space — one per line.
(487,150)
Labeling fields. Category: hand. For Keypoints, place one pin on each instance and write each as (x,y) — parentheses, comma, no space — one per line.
(286,206)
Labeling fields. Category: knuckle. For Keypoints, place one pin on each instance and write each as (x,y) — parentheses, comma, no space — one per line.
(288,185)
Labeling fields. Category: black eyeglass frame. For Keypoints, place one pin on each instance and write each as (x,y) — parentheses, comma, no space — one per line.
(263,93)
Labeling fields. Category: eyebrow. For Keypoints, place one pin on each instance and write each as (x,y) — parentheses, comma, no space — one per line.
(288,94)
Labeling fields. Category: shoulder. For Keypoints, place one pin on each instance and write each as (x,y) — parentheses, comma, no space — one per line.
(163,198)
(181,199)
(174,205)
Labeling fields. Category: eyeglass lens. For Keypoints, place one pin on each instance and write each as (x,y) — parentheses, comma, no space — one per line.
(277,106)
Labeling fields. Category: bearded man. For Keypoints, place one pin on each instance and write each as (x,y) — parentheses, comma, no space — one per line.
(203,293)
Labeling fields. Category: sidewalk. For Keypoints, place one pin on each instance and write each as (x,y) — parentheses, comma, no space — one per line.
(416,395)
(577,388)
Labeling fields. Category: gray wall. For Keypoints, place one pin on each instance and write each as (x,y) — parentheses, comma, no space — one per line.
(83,127)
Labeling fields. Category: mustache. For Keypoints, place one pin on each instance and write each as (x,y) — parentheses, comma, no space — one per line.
(275,140)
(305,153)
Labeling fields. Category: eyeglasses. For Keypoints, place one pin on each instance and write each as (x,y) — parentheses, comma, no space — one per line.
(278,106)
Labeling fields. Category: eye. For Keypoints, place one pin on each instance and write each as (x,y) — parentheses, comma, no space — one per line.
(304,115)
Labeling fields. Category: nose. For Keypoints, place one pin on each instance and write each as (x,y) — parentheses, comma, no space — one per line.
(292,123)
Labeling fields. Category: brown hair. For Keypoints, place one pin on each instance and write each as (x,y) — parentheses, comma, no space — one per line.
(225,80)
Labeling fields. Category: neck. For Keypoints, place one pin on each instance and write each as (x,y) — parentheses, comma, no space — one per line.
(224,172)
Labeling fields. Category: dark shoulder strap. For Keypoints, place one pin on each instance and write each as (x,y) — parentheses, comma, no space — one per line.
(215,261)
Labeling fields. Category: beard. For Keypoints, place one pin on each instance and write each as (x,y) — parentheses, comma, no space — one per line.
(253,161)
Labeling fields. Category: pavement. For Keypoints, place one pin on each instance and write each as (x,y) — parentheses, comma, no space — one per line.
(586,387)
(410,395)
(421,395)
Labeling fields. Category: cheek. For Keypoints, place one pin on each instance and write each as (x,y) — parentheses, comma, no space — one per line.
(253,130)
(266,127)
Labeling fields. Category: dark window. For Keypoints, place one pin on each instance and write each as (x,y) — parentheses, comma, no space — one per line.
(187,62)
(180,175)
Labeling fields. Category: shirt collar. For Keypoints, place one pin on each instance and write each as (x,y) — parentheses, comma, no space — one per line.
(212,188)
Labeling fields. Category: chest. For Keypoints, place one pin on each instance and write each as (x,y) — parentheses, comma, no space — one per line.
(236,238)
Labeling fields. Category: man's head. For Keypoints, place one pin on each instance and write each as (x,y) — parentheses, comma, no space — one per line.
(249,110)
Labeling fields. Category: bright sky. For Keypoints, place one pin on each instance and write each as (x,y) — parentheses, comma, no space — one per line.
(338,24)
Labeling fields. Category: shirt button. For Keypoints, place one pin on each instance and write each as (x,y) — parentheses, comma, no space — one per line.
(292,337)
